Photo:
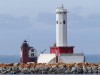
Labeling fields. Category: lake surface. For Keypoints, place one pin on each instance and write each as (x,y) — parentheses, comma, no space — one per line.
(52,74)
(16,58)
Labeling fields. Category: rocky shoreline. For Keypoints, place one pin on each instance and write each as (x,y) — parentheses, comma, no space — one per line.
(59,68)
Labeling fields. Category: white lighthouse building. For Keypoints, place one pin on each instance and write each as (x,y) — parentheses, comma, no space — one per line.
(61,51)
(61,26)
(61,33)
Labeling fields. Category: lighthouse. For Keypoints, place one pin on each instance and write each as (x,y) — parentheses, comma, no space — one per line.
(27,53)
(61,52)
(61,27)
(61,45)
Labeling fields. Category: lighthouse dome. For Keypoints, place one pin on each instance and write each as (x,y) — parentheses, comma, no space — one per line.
(25,43)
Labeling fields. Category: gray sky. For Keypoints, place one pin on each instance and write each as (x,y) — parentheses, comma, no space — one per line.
(20,19)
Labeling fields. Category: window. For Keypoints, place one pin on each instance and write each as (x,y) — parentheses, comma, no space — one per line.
(32,54)
(64,12)
(32,50)
(64,22)
(57,12)
(57,22)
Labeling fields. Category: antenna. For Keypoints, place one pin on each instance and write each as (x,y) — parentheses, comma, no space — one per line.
(28,40)
(62,6)
(43,51)
(82,52)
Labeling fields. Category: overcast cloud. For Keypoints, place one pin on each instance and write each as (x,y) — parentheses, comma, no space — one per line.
(20,19)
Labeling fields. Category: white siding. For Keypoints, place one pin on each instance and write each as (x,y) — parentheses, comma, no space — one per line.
(30,52)
(21,53)
(61,28)
(47,58)
(78,58)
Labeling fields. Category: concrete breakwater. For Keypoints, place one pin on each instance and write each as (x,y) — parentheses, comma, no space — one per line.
(59,68)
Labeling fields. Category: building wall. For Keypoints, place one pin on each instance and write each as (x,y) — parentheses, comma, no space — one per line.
(71,58)
(30,52)
(47,58)
(60,50)
(61,27)
(25,54)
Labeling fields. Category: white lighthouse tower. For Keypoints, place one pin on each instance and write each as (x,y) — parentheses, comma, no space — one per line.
(61,33)
(61,52)
(61,27)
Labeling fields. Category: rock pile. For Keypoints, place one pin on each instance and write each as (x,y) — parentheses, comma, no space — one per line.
(58,68)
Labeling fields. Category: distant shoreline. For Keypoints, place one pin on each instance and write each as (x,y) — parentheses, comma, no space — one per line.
(57,68)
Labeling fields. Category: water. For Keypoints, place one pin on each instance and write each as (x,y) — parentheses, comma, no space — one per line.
(9,59)
(16,59)
(52,74)
(93,58)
